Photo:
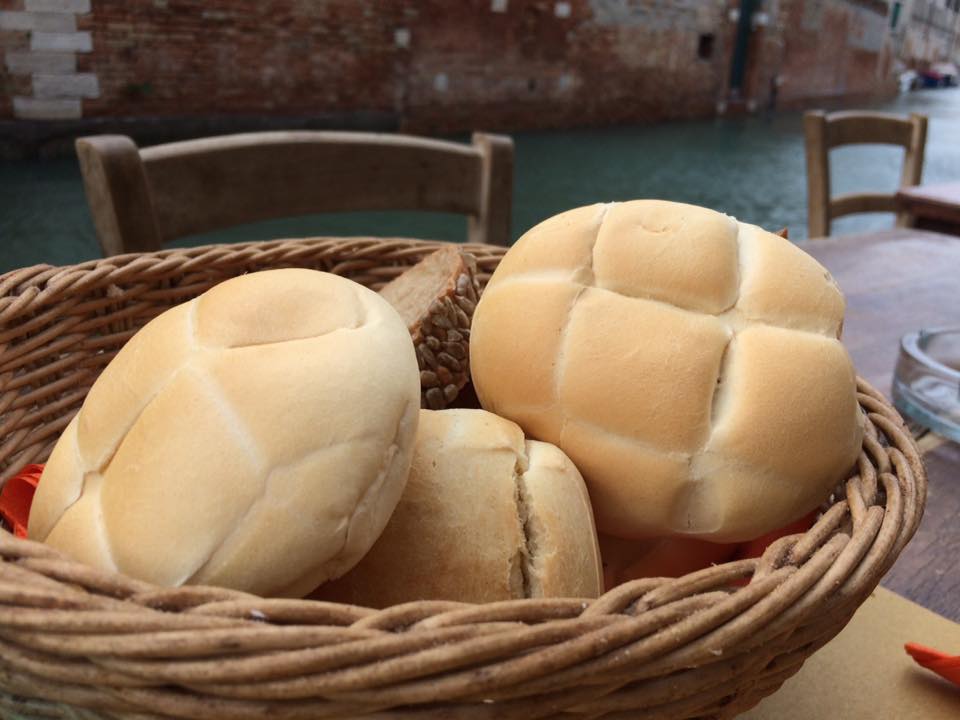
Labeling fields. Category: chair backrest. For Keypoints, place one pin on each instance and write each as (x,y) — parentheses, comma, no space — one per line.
(825,131)
(141,199)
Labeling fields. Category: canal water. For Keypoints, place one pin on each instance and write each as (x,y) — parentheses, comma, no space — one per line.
(749,167)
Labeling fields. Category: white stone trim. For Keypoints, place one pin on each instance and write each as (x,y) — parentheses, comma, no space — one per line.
(28,62)
(72,85)
(51,59)
(65,42)
(78,7)
(29,108)
(44,22)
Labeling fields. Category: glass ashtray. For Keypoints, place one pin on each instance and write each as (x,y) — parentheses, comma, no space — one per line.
(926,382)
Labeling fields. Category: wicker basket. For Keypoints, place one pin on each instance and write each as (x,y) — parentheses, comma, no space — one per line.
(79,643)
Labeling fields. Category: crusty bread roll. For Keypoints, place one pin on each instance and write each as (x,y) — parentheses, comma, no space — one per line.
(687,363)
(485,516)
(257,437)
(436,298)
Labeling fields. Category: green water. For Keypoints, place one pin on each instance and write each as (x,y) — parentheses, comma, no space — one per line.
(752,168)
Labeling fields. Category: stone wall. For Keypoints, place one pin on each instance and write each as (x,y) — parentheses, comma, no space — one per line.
(432,65)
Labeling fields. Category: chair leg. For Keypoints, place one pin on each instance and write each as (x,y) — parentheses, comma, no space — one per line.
(818,174)
(906,220)
(492,224)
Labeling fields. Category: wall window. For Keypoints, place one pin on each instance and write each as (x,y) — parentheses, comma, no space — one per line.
(705,47)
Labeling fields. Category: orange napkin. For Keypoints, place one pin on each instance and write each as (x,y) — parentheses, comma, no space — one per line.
(16,497)
(755,548)
(946,666)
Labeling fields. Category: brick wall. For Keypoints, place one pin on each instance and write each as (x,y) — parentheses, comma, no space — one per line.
(495,63)
(163,57)
(433,65)
(10,41)
(546,64)
(835,49)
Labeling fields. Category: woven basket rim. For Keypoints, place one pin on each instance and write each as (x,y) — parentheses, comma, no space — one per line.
(46,272)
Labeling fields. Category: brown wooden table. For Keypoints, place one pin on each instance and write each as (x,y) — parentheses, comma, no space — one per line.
(897,281)
(933,207)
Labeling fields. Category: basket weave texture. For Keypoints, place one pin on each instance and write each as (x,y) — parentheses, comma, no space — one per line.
(79,643)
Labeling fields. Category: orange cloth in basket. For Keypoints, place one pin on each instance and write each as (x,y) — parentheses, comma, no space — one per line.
(946,666)
(16,498)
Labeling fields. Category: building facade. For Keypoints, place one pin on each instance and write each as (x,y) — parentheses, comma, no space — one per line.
(823,49)
(925,31)
(434,66)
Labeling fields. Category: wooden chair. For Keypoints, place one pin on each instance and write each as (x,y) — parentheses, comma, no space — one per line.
(825,131)
(142,199)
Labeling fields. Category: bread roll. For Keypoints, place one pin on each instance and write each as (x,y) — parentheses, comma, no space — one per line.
(688,364)
(436,298)
(257,437)
(486,516)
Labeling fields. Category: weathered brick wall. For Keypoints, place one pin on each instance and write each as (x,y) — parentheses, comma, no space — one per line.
(10,41)
(546,64)
(835,49)
(433,65)
(162,57)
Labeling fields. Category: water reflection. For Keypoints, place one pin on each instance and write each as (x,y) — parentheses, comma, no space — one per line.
(751,167)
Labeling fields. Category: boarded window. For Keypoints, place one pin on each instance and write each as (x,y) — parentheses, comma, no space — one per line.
(705,47)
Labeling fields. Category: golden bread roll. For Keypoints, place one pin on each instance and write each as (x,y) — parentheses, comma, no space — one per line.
(688,364)
(257,437)
(486,516)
